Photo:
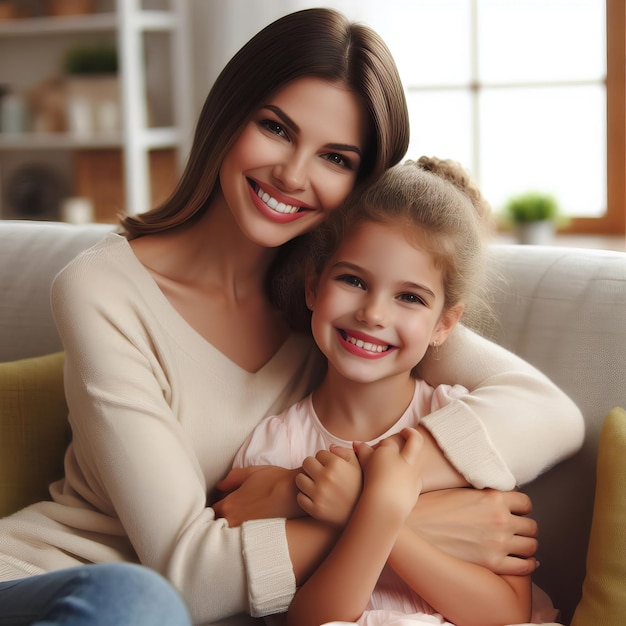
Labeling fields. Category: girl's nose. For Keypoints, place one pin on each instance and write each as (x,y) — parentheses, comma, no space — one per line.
(373,312)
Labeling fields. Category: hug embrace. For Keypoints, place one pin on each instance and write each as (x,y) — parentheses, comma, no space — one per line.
(189,342)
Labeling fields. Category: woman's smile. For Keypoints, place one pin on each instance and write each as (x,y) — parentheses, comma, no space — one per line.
(275,205)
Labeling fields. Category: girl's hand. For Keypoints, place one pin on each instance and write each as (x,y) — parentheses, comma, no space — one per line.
(330,485)
(393,471)
(486,527)
(258,492)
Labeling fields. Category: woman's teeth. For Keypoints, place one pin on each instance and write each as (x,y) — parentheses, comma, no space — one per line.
(272,203)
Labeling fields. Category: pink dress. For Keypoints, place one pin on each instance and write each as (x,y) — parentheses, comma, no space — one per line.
(287,439)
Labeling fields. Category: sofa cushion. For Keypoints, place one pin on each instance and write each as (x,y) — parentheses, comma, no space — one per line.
(31,254)
(34,430)
(603,602)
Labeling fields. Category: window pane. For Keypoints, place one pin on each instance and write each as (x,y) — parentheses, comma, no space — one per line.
(550,139)
(441,125)
(541,40)
(429,39)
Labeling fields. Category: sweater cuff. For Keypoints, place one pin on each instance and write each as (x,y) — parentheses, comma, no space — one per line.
(271,581)
(467,445)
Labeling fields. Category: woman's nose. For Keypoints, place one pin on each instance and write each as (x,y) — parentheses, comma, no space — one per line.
(291,174)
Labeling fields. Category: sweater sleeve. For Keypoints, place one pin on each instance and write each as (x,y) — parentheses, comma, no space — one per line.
(512,426)
(132,460)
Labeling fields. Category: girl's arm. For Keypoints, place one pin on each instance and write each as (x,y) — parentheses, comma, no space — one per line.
(518,422)
(464,593)
(341,586)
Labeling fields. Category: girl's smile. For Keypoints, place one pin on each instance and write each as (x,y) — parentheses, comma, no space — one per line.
(363,345)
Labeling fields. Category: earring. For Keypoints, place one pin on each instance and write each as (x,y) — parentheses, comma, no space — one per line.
(435,344)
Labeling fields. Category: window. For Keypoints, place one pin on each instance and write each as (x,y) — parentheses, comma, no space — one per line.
(526,95)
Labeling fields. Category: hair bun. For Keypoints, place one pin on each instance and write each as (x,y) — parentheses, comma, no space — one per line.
(455,173)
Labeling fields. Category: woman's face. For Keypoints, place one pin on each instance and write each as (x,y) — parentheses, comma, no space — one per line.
(295,161)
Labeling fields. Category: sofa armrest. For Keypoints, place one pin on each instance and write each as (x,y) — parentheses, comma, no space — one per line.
(564,310)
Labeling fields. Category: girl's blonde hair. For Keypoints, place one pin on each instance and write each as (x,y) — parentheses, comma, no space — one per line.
(438,207)
(321,43)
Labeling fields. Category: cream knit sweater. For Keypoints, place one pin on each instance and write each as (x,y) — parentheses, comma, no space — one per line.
(157,415)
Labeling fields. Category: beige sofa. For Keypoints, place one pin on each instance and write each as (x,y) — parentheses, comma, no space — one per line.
(562,309)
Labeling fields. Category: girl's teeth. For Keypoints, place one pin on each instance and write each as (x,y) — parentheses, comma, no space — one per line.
(272,203)
(366,345)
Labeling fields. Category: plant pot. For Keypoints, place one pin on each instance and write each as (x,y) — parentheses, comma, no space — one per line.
(535,233)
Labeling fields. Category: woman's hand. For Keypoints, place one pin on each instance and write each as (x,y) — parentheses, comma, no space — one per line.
(330,484)
(258,492)
(485,527)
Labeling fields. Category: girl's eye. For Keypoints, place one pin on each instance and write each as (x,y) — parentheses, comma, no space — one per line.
(412,298)
(353,281)
(340,160)
(274,127)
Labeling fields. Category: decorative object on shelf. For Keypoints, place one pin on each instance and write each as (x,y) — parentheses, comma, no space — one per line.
(34,192)
(534,216)
(48,106)
(92,83)
(13,112)
(58,8)
(77,210)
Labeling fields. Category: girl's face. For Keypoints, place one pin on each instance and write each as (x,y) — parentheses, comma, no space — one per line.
(378,304)
(295,161)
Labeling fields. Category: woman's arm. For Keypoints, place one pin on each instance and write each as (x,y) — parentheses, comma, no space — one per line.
(135,403)
(515,419)
(485,527)
(464,593)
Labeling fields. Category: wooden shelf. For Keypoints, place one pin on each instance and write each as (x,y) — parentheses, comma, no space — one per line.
(95,22)
(57,141)
(134,141)
(58,25)
(150,139)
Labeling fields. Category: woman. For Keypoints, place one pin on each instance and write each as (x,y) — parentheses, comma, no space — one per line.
(174,351)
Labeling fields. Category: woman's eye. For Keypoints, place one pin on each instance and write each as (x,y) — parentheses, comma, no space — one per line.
(340,160)
(273,127)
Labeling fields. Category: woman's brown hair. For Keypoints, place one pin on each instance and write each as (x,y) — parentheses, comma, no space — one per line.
(312,42)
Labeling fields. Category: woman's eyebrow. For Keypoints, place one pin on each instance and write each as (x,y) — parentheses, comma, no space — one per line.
(341,147)
(344,147)
(283,116)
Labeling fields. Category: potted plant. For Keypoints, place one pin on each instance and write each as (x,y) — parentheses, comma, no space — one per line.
(533,215)
(92,89)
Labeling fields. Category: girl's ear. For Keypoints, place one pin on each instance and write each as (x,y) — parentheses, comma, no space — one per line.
(310,286)
(448,320)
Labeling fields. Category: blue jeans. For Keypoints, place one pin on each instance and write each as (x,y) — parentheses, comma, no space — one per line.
(107,594)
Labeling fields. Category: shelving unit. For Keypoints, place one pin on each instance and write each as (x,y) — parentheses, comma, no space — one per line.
(128,25)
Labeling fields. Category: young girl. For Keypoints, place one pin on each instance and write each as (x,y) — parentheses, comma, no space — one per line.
(388,278)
